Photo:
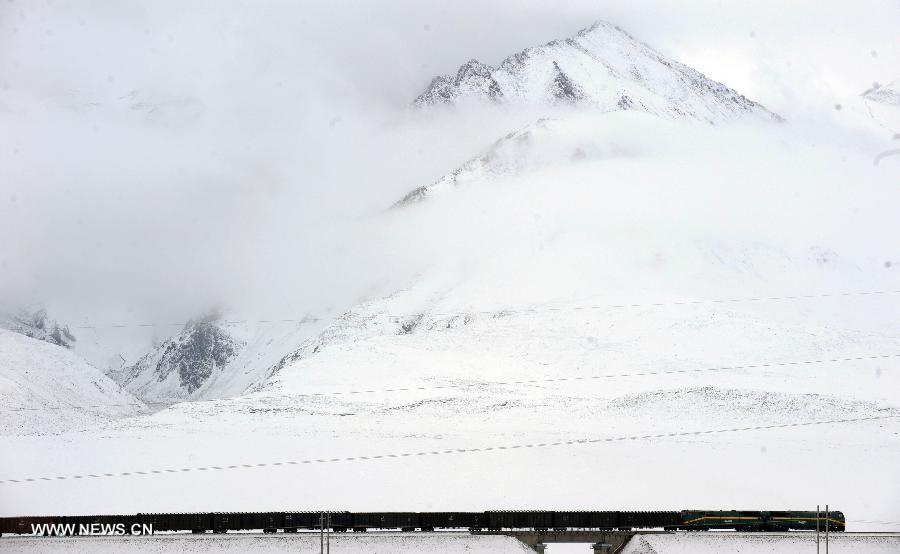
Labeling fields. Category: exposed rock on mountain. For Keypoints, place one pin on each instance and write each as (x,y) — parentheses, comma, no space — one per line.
(602,67)
(37,325)
(884,94)
(883,105)
(183,364)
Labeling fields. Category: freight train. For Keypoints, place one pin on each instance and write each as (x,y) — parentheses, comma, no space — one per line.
(539,520)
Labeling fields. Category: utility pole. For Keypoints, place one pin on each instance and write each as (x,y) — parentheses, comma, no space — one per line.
(826,528)
(817,528)
(322,533)
(328,535)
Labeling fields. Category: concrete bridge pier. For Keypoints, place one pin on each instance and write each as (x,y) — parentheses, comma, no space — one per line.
(605,542)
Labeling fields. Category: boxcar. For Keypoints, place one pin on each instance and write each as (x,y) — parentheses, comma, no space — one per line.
(106,523)
(268,522)
(519,519)
(571,520)
(197,522)
(585,520)
(430,521)
(23,525)
(340,521)
(648,520)
(223,522)
(292,521)
(407,521)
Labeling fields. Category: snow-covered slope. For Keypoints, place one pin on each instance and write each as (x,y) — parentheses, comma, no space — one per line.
(47,388)
(545,143)
(602,67)
(211,357)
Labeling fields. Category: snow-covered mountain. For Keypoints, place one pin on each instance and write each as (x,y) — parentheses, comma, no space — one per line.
(47,388)
(182,364)
(211,357)
(888,94)
(544,144)
(883,105)
(602,67)
(36,324)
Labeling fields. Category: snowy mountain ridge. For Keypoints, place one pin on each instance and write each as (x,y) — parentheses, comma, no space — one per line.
(45,388)
(211,357)
(183,363)
(888,94)
(602,67)
(35,324)
(883,105)
(545,143)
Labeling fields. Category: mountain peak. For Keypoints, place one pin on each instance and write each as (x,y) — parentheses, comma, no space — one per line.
(601,67)
(888,94)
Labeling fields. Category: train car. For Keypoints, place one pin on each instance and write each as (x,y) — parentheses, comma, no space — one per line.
(108,524)
(805,521)
(519,519)
(614,519)
(429,521)
(340,521)
(703,520)
(24,525)
(585,520)
(292,521)
(195,522)
(267,522)
(648,520)
(222,522)
(405,521)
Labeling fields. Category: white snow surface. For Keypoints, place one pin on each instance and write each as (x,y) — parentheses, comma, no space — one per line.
(602,67)
(48,389)
(252,543)
(774,544)
(450,543)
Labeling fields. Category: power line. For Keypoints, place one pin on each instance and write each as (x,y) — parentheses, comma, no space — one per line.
(611,376)
(422,453)
(501,311)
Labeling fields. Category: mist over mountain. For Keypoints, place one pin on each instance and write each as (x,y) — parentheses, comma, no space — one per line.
(35,324)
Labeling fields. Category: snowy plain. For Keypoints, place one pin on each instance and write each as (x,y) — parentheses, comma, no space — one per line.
(451,543)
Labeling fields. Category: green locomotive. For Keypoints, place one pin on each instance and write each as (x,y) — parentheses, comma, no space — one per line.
(760,521)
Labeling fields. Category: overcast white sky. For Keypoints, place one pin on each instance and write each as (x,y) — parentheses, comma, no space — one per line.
(279,124)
